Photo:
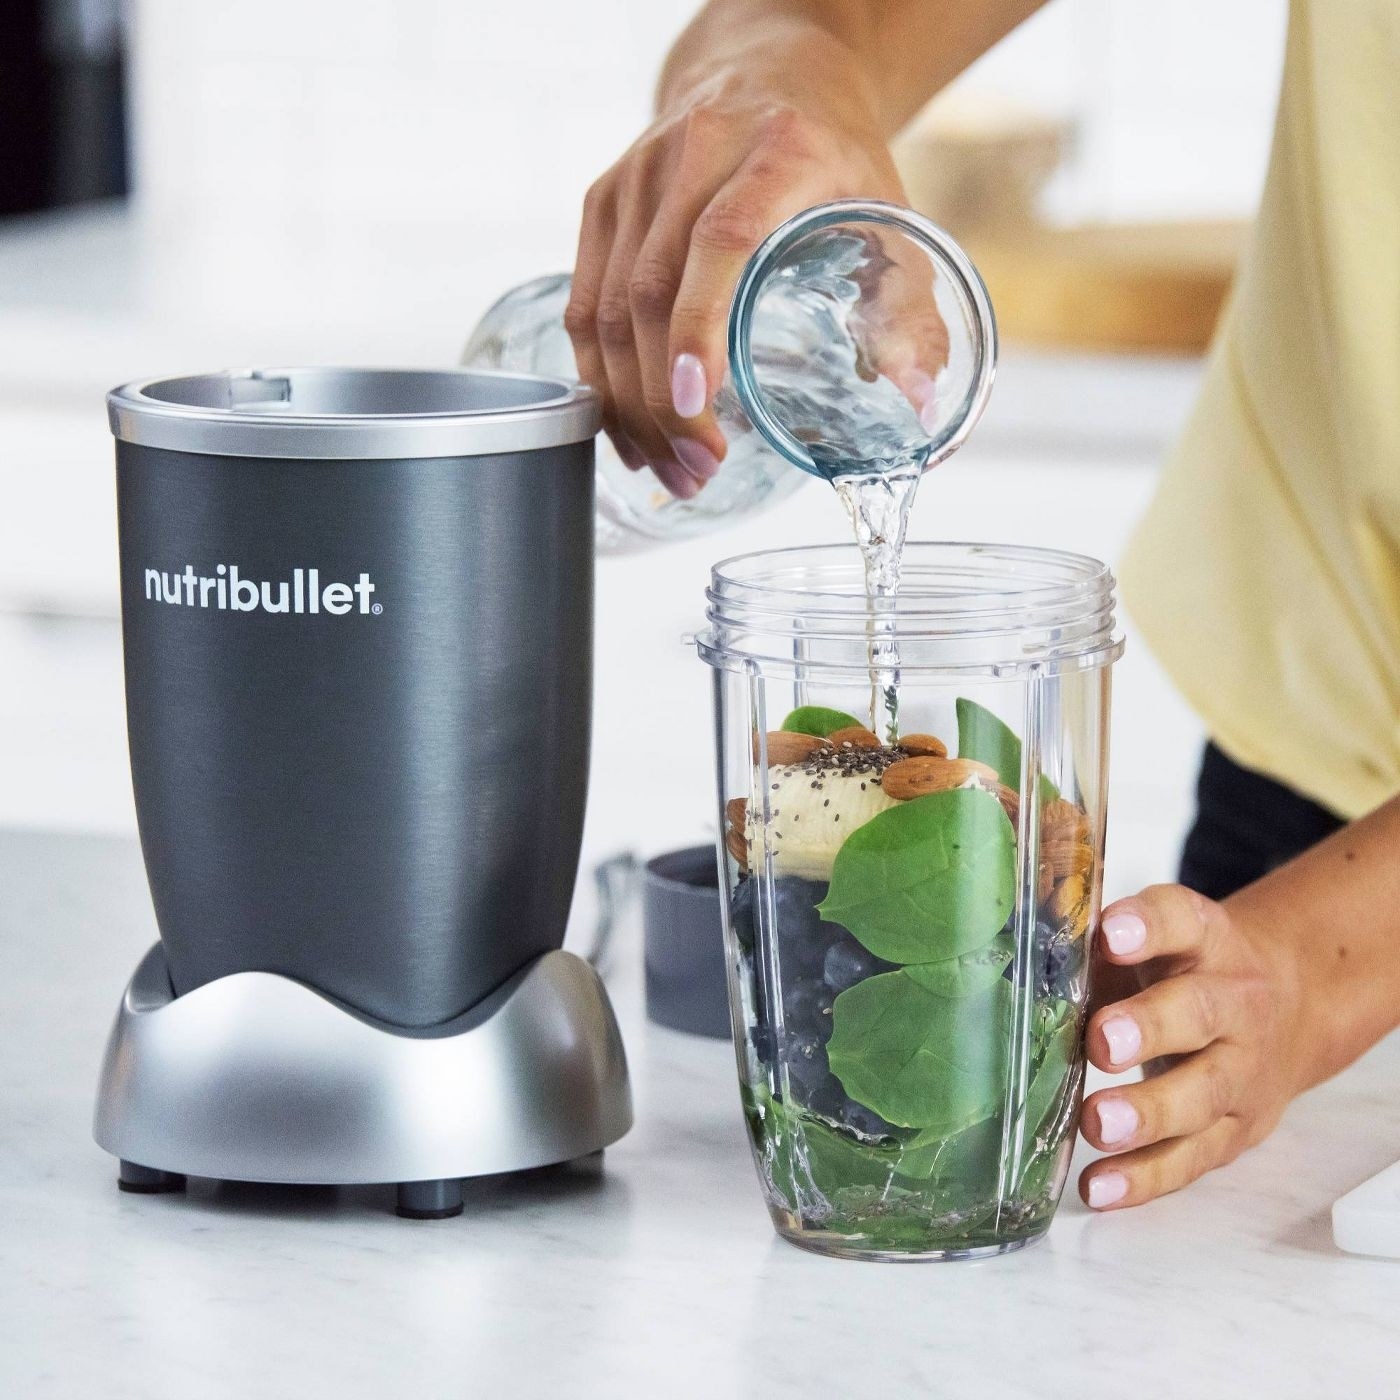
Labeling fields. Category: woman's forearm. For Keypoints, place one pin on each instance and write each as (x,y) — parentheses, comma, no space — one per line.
(1334,912)
(888,56)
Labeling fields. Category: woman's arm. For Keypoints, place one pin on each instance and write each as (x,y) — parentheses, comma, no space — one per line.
(900,52)
(764,108)
(1252,1000)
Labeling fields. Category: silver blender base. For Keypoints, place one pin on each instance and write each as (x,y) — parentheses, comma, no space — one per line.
(256,1077)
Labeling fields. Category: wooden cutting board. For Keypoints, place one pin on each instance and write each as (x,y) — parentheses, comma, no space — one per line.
(1144,287)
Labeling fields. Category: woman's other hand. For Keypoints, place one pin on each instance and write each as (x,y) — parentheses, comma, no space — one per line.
(1217,1025)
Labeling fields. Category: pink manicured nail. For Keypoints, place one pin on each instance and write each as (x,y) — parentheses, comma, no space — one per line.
(632,456)
(676,479)
(923,395)
(1124,933)
(688,391)
(696,458)
(1118,1120)
(1106,1188)
(1123,1037)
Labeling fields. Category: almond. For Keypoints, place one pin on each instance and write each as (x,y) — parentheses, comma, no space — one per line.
(857,736)
(914,777)
(1010,801)
(784,748)
(1069,905)
(737,847)
(1044,882)
(736,812)
(1066,856)
(924,746)
(1060,819)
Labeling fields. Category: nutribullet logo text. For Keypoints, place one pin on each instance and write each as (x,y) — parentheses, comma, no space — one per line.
(227,591)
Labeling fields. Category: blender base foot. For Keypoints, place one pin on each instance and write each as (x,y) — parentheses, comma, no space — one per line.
(430,1200)
(147,1181)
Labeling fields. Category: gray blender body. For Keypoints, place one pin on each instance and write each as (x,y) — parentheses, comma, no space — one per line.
(357,621)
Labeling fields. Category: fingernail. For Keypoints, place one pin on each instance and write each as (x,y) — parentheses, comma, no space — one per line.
(630,453)
(1118,1120)
(688,393)
(1106,1188)
(1124,1039)
(1124,933)
(923,393)
(676,479)
(696,458)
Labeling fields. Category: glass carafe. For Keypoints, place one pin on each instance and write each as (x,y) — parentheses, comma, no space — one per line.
(860,339)
(908,923)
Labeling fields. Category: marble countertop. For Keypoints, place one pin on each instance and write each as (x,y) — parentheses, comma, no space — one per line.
(661,1276)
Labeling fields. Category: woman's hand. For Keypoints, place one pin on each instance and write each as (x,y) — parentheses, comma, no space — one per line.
(783,124)
(1219,1020)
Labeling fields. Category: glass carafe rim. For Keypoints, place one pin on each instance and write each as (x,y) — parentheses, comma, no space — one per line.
(946,255)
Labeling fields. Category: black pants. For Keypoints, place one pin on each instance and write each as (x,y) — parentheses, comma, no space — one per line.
(1246,824)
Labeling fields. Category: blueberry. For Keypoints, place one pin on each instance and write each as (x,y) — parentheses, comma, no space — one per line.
(847,963)
(801,944)
(741,912)
(764,1042)
(806,1066)
(795,903)
(828,1098)
(864,1120)
(807,1011)
(1057,962)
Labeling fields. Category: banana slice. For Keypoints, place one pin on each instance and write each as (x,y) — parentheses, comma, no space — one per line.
(814,806)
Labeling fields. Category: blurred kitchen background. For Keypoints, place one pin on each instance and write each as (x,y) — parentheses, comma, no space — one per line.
(191,186)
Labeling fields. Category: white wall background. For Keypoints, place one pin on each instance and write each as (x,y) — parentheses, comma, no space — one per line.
(353,180)
(341,153)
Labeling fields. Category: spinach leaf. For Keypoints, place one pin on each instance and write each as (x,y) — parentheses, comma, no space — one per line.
(1058,1051)
(973,972)
(818,721)
(836,1161)
(928,880)
(968,1165)
(799,1149)
(981,735)
(918,1059)
(938,1153)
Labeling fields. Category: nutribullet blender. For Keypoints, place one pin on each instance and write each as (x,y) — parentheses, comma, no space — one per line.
(357,626)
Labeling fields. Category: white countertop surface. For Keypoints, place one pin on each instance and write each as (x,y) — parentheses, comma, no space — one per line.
(660,1277)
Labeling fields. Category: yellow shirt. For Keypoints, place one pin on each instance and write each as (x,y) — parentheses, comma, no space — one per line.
(1266,574)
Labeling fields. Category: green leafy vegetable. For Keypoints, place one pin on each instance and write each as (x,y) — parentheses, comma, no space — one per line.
(973,972)
(836,1160)
(966,1164)
(1058,1052)
(935,1153)
(981,735)
(918,1059)
(800,1147)
(817,720)
(928,880)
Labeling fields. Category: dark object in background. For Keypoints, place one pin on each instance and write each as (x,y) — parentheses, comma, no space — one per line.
(62,115)
(685,974)
(1246,825)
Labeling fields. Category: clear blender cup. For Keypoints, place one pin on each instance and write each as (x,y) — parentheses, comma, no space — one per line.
(912,758)
(908,924)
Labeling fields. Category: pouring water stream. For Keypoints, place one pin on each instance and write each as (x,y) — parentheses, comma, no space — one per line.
(878,504)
